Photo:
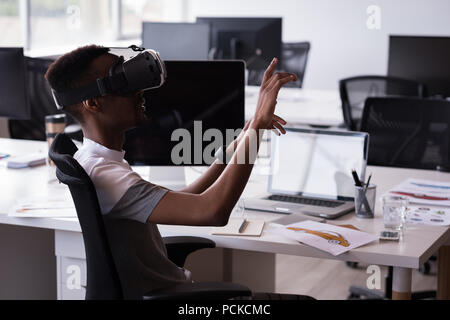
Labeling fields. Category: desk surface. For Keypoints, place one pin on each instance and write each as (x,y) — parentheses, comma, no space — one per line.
(418,244)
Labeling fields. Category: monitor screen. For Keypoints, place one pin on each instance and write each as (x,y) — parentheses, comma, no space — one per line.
(177,41)
(14,103)
(255,40)
(317,162)
(197,96)
(424,59)
(295,56)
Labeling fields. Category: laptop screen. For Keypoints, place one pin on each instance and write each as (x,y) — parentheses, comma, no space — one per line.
(317,163)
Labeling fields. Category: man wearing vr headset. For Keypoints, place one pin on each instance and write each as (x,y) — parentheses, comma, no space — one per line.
(103,90)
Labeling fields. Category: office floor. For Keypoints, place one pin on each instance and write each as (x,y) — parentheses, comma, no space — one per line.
(330,279)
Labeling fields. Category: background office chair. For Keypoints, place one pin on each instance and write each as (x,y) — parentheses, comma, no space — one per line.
(103,279)
(408,132)
(41,104)
(411,133)
(355,90)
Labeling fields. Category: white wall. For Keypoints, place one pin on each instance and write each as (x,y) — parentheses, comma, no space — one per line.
(341,43)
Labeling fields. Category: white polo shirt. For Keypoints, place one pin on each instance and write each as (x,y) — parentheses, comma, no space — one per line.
(126,201)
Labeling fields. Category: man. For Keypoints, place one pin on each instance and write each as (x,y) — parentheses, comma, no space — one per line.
(133,206)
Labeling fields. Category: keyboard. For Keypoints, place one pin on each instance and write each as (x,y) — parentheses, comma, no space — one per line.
(308,201)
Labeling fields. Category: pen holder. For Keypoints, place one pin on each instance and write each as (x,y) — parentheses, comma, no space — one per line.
(365,201)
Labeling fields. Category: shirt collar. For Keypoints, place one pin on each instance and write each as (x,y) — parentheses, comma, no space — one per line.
(97,148)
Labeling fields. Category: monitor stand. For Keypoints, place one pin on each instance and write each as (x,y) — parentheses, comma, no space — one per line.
(171,177)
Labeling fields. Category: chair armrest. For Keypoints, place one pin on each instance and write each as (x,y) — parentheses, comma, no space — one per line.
(199,291)
(443,168)
(178,248)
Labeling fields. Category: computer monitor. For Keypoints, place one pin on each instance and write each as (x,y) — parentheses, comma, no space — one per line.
(255,40)
(14,101)
(424,59)
(208,91)
(177,41)
(294,58)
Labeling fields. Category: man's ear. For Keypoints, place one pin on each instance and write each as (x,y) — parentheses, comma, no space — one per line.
(91,105)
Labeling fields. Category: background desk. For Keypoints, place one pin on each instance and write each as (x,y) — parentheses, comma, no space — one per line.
(301,106)
(27,255)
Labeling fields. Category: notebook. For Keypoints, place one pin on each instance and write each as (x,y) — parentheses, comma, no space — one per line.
(251,227)
(26,161)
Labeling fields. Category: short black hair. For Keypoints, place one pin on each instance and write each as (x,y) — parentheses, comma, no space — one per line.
(72,70)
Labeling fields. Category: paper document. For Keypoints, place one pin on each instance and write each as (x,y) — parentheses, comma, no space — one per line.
(43,208)
(333,239)
(424,192)
(428,215)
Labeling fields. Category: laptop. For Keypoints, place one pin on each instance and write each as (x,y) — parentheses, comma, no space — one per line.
(310,172)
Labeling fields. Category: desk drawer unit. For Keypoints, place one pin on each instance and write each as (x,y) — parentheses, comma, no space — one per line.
(71,278)
(71,265)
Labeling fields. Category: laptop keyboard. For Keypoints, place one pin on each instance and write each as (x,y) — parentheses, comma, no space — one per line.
(307,201)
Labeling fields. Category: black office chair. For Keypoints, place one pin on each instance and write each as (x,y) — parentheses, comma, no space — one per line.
(410,133)
(41,103)
(103,279)
(355,90)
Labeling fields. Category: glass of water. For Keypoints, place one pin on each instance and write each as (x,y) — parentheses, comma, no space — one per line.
(394,212)
(239,209)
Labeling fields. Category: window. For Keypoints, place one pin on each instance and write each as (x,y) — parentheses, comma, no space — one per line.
(45,25)
(134,12)
(10,24)
(69,22)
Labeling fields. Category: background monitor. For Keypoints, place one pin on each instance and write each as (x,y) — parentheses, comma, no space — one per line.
(177,41)
(255,40)
(424,59)
(14,101)
(294,58)
(207,91)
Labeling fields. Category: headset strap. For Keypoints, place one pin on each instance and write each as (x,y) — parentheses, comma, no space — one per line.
(100,88)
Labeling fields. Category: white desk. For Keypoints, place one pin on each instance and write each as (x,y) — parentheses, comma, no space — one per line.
(301,106)
(251,260)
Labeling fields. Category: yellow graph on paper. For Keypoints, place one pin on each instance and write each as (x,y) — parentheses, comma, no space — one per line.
(332,237)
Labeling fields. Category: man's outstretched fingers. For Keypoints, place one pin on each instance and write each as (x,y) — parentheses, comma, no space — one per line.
(279,119)
(269,71)
(281,82)
(279,127)
(275,78)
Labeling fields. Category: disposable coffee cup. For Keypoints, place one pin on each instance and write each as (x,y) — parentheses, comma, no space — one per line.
(54,124)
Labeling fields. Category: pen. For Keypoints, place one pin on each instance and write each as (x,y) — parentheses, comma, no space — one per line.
(242,227)
(356,178)
(368,181)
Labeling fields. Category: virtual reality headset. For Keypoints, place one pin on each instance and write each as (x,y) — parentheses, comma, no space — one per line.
(136,70)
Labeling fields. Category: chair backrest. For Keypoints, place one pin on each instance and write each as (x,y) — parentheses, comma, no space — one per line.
(294,59)
(355,90)
(103,281)
(407,132)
